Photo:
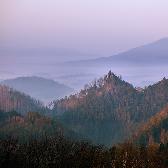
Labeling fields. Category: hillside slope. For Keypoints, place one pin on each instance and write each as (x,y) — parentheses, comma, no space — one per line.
(12,100)
(110,109)
(155,130)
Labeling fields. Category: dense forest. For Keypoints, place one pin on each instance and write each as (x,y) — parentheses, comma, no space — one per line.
(59,152)
(32,125)
(109,123)
(155,130)
(109,110)
(12,100)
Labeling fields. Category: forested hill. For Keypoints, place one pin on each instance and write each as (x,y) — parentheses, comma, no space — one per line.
(92,96)
(108,110)
(155,130)
(12,100)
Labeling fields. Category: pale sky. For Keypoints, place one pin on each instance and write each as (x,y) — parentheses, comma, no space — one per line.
(96,27)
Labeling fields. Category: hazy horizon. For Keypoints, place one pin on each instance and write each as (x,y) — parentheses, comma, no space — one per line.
(93,28)
(35,36)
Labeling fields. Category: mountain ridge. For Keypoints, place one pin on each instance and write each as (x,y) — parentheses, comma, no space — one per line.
(109,110)
(146,54)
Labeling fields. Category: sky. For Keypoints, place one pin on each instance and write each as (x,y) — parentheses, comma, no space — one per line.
(93,27)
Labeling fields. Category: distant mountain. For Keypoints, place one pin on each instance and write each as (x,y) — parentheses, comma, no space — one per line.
(144,63)
(151,54)
(155,130)
(12,100)
(109,110)
(40,88)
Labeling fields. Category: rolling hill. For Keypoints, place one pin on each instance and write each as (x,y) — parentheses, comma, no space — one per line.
(39,88)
